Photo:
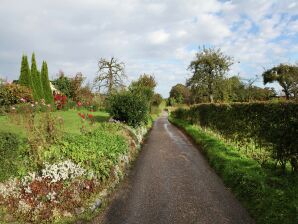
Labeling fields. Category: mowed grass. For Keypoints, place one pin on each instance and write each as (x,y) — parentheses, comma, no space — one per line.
(71,121)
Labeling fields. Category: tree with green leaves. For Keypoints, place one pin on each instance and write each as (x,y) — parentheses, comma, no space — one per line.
(144,86)
(48,96)
(180,93)
(36,81)
(286,76)
(25,76)
(111,75)
(63,84)
(209,69)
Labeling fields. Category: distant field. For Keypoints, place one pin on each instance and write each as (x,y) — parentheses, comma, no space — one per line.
(72,122)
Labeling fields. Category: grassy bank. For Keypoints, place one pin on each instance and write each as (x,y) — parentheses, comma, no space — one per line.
(268,196)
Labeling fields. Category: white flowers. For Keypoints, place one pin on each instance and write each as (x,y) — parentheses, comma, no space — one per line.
(62,171)
(23,206)
(65,170)
(10,188)
(51,196)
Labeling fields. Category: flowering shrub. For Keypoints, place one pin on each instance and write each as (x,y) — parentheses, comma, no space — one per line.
(60,101)
(11,94)
(79,104)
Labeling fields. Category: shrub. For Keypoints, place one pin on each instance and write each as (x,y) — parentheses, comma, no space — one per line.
(128,107)
(11,94)
(60,101)
(268,126)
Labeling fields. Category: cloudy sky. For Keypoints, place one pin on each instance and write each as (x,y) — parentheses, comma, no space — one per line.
(159,37)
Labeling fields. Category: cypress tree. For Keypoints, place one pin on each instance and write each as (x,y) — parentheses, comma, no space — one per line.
(25,76)
(48,96)
(36,81)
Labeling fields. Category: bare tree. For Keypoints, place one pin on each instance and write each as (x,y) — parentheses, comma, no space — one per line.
(110,75)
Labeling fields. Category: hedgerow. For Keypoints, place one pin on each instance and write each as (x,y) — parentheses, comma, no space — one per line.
(271,128)
(268,197)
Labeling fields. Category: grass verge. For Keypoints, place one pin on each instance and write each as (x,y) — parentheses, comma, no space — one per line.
(268,196)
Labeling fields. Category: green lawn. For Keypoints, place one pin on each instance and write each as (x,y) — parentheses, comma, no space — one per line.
(72,122)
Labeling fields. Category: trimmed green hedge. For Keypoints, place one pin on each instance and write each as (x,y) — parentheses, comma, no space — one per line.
(269,198)
(268,126)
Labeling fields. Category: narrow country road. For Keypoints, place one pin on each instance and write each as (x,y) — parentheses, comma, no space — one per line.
(171,183)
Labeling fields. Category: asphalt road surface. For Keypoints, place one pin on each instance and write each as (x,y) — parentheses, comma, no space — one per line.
(172,183)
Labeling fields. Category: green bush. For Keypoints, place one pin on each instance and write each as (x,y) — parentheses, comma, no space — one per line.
(11,94)
(128,107)
(268,126)
(97,151)
(269,198)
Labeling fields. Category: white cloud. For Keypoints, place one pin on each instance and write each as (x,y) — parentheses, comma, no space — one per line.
(158,37)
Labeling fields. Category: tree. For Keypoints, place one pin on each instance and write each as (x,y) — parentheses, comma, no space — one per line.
(63,84)
(144,86)
(110,75)
(36,81)
(180,93)
(76,86)
(209,69)
(285,75)
(157,99)
(48,96)
(25,76)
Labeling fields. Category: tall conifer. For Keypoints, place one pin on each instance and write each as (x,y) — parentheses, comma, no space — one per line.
(25,76)
(36,81)
(48,96)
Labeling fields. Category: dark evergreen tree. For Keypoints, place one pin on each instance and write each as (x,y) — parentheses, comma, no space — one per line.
(36,81)
(25,76)
(48,96)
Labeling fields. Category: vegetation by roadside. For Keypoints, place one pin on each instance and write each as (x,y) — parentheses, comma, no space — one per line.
(77,170)
(268,196)
(61,157)
(265,131)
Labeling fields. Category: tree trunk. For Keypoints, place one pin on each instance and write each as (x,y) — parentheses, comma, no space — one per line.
(287,94)
(211,98)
